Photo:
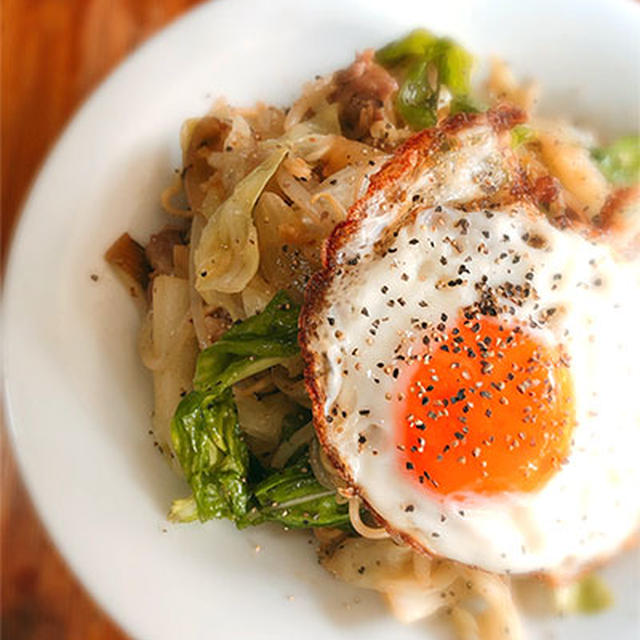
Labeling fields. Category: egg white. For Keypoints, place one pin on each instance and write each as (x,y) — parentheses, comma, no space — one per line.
(373,309)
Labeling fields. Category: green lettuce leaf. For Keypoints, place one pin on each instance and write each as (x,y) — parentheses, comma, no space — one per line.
(213,455)
(226,481)
(295,499)
(254,345)
(620,161)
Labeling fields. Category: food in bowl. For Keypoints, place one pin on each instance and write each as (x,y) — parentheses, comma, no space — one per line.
(401,313)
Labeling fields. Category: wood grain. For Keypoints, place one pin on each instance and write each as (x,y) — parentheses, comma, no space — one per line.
(54,52)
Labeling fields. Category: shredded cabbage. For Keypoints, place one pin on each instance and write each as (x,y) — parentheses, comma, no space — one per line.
(227,257)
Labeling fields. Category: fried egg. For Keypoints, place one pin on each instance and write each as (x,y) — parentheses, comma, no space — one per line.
(473,367)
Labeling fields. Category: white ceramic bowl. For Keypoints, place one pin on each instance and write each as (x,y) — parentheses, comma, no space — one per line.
(78,399)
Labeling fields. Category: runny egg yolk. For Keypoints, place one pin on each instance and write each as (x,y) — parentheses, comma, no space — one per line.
(487,408)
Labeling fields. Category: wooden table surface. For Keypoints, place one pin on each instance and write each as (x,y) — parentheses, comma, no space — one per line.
(54,52)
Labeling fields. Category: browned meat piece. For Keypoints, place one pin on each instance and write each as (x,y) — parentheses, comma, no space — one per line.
(159,251)
(362,90)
